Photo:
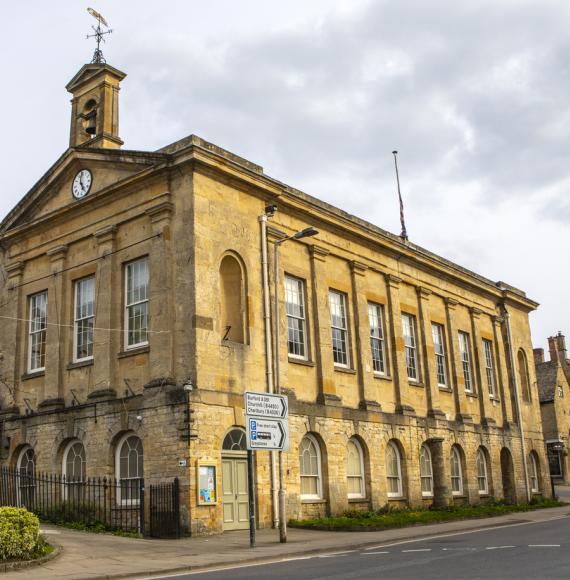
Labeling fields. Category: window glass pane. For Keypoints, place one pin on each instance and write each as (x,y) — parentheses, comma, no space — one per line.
(339,329)
(375,317)
(408,328)
(296,323)
(439,349)
(137,302)
(37,331)
(466,360)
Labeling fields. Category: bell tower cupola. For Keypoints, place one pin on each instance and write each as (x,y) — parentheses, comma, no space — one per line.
(95,106)
(95,103)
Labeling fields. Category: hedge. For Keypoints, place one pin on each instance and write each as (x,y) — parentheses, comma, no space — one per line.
(19,533)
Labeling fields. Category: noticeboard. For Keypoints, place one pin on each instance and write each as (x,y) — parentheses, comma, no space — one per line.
(206,484)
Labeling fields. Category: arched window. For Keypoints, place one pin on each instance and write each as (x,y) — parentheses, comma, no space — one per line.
(523,375)
(355,469)
(233,311)
(74,470)
(394,470)
(310,468)
(129,469)
(26,474)
(482,477)
(534,481)
(235,441)
(426,471)
(456,472)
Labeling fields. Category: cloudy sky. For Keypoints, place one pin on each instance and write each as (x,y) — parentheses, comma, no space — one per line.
(475,96)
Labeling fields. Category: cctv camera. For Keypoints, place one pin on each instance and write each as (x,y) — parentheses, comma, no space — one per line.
(139,418)
(188,387)
(270,210)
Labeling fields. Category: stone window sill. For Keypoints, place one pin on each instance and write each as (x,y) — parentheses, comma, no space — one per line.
(381,377)
(80,364)
(343,370)
(416,384)
(302,362)
(33,375)
(444,389)
(134,351)
(473,395)
(399,498)
(319,501)
(357,499)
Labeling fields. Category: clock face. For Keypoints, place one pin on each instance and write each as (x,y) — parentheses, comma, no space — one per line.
(81,184)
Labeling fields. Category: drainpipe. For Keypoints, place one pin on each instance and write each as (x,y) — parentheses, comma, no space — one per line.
(268,354)
(517,400)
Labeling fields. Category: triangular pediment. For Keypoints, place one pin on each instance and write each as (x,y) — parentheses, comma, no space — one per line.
(89,72)
(53,192)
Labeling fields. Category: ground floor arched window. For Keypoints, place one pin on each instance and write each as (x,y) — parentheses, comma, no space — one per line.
(129,469)
(456,472)
(426,471)
(74,467)
(482,473)
(534,480)
(26,475)
(310,468)
(355,469)
(394,471)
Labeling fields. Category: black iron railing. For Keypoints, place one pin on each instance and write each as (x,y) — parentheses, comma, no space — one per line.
(94,503)
(165,510)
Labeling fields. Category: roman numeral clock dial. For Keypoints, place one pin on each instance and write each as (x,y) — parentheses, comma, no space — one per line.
(82,184)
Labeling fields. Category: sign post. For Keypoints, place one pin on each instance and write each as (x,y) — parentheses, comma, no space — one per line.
(267,428)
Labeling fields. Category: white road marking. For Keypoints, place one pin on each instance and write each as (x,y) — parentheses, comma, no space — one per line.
(498,547)
(418,550)
(333,554)
(544,545)
(436,536)
(372,553)
(458,549)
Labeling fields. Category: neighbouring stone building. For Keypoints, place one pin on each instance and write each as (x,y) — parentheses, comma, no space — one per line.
(553,379)
(133,319)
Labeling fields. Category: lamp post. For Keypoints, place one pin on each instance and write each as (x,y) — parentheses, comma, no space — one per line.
(307,232)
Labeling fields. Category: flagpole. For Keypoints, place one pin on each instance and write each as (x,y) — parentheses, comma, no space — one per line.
(404,233)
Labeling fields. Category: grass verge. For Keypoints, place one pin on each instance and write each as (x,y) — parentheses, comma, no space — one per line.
(386,518)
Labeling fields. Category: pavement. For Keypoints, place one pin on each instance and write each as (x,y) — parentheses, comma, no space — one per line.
(101,556)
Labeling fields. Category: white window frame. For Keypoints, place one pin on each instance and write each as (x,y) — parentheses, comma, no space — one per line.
(34,332)
(128,305)
(411,347)
(119,479)
(424,449)
(456,460)
(299,290)
(75,482)
(79,319)
(318,475)
(534,481)
(343,330)
(490,367)
(361,477)
(465,350)
(400,492)
(482,472)
(376,321)
(438,337)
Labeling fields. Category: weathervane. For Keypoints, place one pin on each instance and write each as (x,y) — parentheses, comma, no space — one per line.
(99,35)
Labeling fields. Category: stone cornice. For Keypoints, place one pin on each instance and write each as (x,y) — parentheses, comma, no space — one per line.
(319,253)
(358,268)
(106,234)
(58,253)
(392,281)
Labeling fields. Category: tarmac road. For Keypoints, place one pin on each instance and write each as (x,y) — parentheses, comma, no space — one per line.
(522,551)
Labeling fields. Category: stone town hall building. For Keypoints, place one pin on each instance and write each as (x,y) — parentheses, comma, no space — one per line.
(133,320)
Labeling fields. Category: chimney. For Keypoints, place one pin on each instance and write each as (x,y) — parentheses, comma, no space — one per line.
(538,355)
(553,348)
(561,346)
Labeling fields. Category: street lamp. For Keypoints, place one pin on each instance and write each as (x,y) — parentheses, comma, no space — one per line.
(307,232)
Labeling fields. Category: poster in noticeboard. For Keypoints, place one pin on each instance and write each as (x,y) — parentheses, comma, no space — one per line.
(207,493)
